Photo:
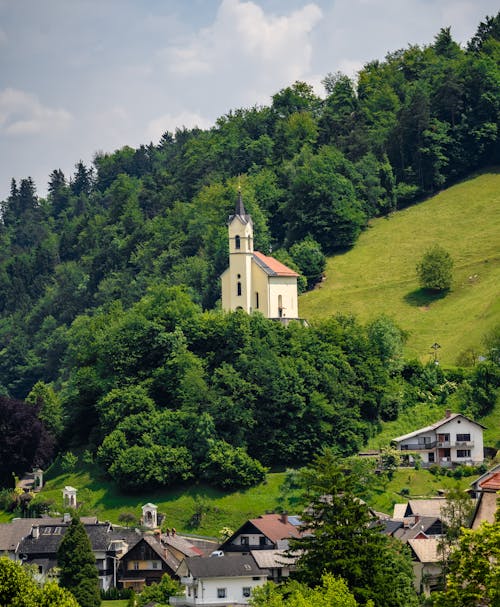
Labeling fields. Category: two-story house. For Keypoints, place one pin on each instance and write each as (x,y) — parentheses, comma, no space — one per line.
(454,440)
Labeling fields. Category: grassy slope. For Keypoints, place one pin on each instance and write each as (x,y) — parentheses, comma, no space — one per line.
(378,274)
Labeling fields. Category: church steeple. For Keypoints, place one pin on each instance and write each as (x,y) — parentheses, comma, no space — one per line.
(239,210)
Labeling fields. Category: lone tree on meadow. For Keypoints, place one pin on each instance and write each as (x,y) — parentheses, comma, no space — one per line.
(78,571)
(435,269)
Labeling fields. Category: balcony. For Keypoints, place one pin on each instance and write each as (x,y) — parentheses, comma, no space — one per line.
(419,446)
(467,444)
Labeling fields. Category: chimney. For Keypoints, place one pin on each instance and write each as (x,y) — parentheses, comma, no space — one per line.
(35,532)
(284,518)
(448,413)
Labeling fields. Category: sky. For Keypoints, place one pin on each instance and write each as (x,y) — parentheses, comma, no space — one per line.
(84,76)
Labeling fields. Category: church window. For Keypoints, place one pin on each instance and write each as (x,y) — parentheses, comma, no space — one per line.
(238,289)
(237,242)
(280,306)
(257,300)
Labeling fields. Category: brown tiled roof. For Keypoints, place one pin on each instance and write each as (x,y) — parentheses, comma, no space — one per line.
(492,483)
(273,527)
(272,266)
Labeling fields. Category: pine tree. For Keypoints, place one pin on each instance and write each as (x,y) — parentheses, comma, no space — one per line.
(78,571)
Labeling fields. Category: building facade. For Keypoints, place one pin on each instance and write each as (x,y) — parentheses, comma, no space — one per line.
(254,281)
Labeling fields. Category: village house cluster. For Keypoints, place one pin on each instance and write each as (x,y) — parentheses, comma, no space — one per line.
(222,574)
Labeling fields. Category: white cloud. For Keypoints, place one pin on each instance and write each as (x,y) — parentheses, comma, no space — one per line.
(248,49)
(23,114)
(169,122)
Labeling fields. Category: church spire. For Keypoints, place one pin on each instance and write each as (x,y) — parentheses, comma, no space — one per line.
(239,210)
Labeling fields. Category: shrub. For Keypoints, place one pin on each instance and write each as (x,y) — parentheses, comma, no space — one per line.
(435,269)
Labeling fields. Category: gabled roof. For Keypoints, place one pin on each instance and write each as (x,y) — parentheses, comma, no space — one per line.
(426,550)
(492,483)
(435,426)
(271,266)
(273,559)
(237,565)
(428,508)
(274,527)
(182,545)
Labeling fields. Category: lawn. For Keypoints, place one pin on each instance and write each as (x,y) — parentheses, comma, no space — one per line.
(219,509)
(378,274)
(117,603)
(419,483)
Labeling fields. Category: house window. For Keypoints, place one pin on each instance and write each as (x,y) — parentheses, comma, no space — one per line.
(246,591)
(463,438)
(155,564)
(238,289)
(431,458)
(424,440)
(136,566)
(262,541)
(237,242)
(256,301)
(244,540)
(463,452)
(221,593)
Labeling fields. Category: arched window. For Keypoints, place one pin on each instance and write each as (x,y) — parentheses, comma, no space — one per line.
(238,289)
(280,306)
(237,242)
(256,300)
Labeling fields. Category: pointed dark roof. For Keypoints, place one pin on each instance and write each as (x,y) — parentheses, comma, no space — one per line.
(239,211)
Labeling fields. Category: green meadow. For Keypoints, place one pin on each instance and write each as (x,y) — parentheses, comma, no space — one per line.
(377,276)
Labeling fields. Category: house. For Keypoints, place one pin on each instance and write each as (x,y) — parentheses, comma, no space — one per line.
(151,557)
(255,281)
(219,580)
(267,532)
(277,563)
(39,546)
(488,501)
(454,440)
(427,564)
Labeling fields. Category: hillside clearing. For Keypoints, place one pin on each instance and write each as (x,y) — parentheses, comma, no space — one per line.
(378,275)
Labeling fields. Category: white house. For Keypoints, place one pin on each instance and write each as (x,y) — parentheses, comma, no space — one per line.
(255,281)
(456,439)
(219,580)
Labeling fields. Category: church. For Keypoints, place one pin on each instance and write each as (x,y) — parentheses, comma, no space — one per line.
(254,281)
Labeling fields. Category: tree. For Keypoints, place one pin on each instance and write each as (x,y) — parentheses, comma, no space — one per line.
(474,569)
(161,592)
(333,592)
(50,409)
(19,589)
(78,571)
(341,541)
(435,269)
(25,441)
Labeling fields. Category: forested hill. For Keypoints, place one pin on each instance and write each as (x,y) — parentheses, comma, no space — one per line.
(103,283)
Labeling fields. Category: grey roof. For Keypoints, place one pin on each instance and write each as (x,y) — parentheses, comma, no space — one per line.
(51,534)
(426,550)
(235,565)
(423,525)
(12,533)
(239,211)
(273,559)
(181,544)
(436,425)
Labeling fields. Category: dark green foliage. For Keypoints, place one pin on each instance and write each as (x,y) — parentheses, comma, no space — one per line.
(77,565)
(108,288)
(24,443)
(343,542)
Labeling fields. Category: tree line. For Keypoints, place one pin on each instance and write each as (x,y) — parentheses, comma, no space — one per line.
(109,286)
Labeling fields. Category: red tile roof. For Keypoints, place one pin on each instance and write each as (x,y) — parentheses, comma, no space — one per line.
(492,483)
(272,266)
(273,527)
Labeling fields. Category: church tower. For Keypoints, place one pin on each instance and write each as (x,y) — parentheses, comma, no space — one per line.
(239,289)
(254,281)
